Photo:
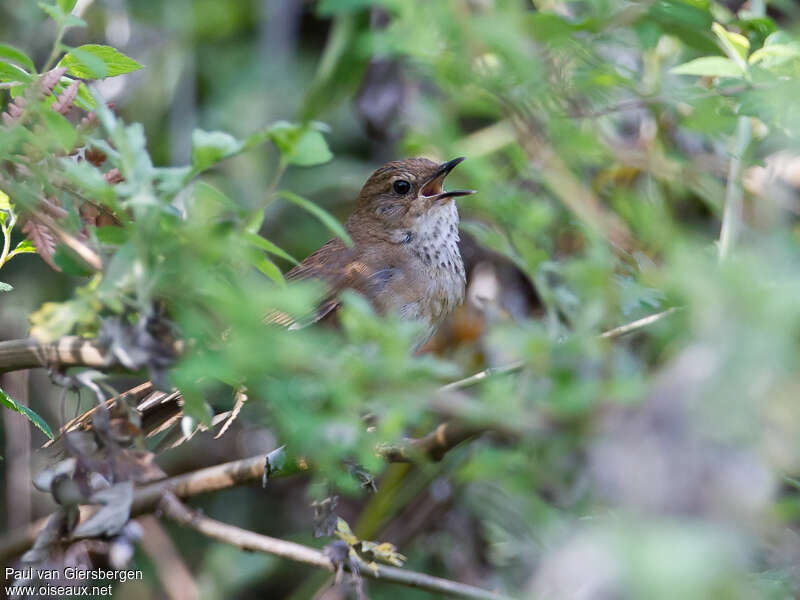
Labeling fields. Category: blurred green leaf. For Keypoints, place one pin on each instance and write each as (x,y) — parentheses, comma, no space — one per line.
(709,66)
(268,268)
(300,145)
(5,287)
(67,5)
(29,414)
(64,19)
(93,61)
(263,243)
(736,46)
(62,130)
(324,216)
(775,51)
(327,8)
(9,72)
(112,235)
(211,147)
(17,56)
(69,264)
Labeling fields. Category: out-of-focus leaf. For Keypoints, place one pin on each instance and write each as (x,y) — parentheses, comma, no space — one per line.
(14,55)
(63,131)
(211,147)
(326,8)
(299,145)
(29,414)
(775,51)
(709,66)
(736,46)
(93,61)
(5,287)
(5,201)
(263,243)
(9,72)
(327,219)
(69,264)
(64,19)
(67,5)
(112,235)
(269,268)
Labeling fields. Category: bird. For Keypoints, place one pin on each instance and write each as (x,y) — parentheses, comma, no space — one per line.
(405,258)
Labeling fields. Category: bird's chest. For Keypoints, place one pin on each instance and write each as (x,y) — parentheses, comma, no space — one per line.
(440,270)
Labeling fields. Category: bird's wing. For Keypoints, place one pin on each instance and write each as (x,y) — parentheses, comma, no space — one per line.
(328,264)
(340,268)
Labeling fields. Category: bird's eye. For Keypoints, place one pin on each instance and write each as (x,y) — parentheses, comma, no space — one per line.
(401,186)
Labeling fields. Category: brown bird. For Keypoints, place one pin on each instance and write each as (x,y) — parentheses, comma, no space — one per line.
(405,257)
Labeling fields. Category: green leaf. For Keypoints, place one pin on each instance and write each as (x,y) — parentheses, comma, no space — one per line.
(709,66)
(64,19)
(85,62)
(303,146)
(63,131)
(112,235)
(775,51)
(263,243)
(327,219)
(24,247)
(735,45)
(211,147)
(5,201)
(327,8)
(269,268)
(34,418)
(69,264)
(84,98)
(67,5)
(5,287)
(17,56)
(9,72)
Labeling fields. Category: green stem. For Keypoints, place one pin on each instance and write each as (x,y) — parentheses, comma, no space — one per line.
(256,219)
(732,214)
(55,51)
(4,256)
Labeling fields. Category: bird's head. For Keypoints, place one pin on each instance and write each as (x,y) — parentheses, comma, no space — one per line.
(402,191)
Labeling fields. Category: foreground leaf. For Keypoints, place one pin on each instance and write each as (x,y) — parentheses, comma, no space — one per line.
(327,219)
(93,61)
(29,414)
(709,66)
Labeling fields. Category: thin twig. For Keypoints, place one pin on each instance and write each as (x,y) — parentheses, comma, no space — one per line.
(638,324)
(517,365)
(254,542)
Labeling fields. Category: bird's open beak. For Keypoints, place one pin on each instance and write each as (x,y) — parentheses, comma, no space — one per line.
(434,187)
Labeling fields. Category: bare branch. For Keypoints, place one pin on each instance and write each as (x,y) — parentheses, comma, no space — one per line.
(254,542)
(68,351)
(517,365)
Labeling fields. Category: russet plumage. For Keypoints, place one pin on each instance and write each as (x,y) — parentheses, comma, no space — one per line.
(405,257)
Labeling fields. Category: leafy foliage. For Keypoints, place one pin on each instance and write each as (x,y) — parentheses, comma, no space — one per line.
(607,141)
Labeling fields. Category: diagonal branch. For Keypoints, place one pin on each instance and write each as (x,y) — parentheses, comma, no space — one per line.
(146,497)
(254,542)
(517,365)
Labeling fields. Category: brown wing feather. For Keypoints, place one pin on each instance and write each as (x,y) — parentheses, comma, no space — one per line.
(325,264)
